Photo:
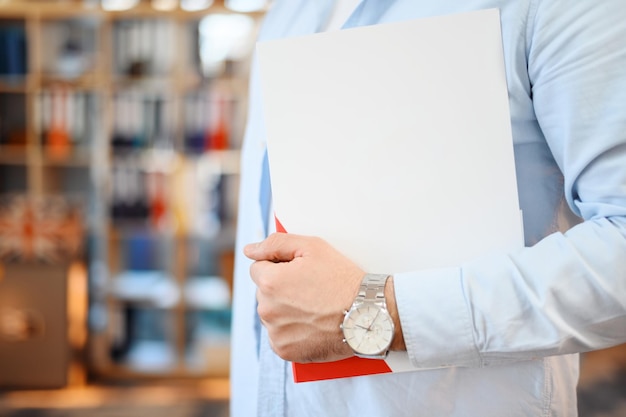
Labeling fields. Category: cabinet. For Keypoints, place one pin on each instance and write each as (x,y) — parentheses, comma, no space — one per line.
(139,115)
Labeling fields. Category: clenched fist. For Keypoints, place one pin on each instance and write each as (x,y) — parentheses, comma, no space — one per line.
(304,286)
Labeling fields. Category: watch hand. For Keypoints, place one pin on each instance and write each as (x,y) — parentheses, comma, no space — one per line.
(373,320)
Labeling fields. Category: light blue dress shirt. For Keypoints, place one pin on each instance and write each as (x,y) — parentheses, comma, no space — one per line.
(503,330)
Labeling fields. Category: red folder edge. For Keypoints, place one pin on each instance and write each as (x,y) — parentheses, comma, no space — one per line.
(318,371)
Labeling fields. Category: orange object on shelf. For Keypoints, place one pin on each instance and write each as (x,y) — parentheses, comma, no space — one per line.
(58,138)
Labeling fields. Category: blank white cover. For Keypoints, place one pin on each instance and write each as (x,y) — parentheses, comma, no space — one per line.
(393,141)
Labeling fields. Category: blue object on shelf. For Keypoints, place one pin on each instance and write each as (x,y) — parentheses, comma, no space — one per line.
(141,252)
(13,51)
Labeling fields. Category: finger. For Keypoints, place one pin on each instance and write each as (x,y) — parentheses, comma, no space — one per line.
(257,271)
(251,251)
(278,247)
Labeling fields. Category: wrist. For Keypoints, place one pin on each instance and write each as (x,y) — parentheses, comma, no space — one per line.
(397,343)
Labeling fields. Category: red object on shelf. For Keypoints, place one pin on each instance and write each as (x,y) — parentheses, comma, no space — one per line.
(218,136)
(158,204)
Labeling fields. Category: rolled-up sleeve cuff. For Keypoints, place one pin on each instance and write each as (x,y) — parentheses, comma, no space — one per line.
(435,320)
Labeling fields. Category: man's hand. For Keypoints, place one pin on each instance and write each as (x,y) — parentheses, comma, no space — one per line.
(304,285)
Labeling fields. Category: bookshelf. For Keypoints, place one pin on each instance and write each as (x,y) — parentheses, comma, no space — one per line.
(139,115)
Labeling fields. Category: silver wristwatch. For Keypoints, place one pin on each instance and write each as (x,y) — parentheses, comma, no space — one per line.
(367,327)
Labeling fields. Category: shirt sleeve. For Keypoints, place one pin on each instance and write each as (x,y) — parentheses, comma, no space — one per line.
(566,293)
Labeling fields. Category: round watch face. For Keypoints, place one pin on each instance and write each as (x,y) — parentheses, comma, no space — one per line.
(368,329)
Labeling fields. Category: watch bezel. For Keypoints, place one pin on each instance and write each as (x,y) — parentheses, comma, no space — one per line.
(389,332)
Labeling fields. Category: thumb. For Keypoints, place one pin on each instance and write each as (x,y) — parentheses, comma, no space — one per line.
(278,247)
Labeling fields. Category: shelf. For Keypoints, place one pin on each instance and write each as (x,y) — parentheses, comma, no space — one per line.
(155,289)
(161,394)
(145,133)
(149,84)
(85,82)
(48,9)
(14,83)
(143,10)
(159,290)
(75,158)
(193,369)
(13,155)
(19,155)
(42,9)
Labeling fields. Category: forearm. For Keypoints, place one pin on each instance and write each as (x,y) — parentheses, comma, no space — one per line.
(564,295)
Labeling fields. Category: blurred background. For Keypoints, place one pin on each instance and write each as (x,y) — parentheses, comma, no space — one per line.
(120,128)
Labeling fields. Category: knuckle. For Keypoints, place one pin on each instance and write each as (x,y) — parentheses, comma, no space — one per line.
(267,311)
(273,239)
(255,271)
(316,240)
(264,313)
(284,352)
(261,277)
(266,285)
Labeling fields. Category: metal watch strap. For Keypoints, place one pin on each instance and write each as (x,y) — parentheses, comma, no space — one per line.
(372,288)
